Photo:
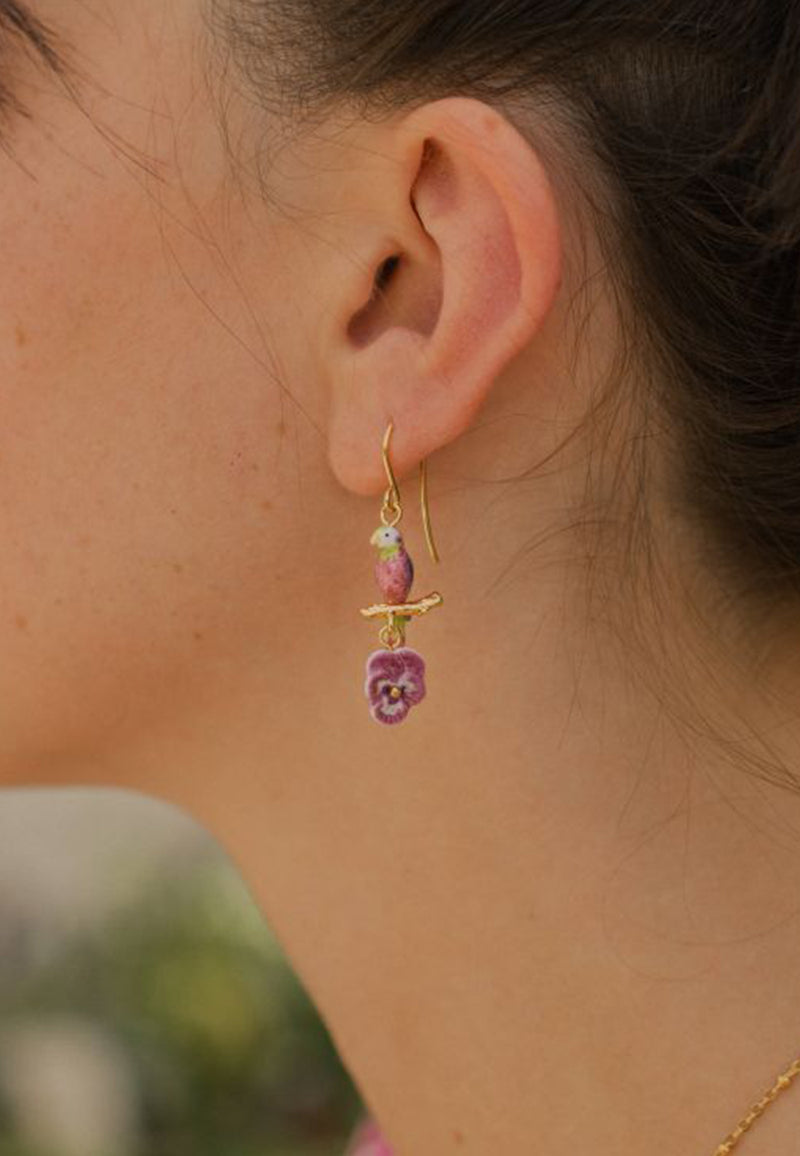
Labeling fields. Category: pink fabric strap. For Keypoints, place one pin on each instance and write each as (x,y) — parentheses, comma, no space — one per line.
(367,1141)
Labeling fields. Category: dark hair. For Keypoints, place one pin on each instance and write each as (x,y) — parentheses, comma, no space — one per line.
(693,109)
(21,30)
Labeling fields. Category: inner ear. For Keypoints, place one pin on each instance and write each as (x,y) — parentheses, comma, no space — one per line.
(407,286)
(406,292)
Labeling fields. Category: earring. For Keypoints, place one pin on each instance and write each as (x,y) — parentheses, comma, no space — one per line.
(395,675)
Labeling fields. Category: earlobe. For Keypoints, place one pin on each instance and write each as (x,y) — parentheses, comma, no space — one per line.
(472,278)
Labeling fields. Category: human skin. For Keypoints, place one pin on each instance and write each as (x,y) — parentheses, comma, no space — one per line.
(539,914)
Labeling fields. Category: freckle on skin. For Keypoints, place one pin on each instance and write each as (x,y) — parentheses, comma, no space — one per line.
(458,1136)
(177,567)
(197,636)
(20,335)
(266,504)
(21,622)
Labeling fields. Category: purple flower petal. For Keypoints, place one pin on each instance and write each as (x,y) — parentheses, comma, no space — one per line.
(388,662)
(375,688)
(413,662)
(413,690)
(387,670)
(389,710)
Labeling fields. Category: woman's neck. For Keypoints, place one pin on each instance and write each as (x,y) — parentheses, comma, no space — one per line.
(529,918)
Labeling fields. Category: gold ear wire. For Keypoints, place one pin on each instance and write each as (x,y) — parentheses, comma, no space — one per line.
(391,510)
(426,516)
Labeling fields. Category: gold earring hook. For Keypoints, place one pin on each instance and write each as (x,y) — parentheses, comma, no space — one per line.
(391,500)
(391,511)
(426,516)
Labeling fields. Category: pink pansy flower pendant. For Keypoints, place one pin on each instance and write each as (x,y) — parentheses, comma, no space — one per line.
(368,1142)
(395,681)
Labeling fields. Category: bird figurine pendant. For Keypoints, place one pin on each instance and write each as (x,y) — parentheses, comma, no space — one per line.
(395,674)
(394,570)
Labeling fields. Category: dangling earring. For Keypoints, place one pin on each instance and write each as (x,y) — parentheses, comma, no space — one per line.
(395,677)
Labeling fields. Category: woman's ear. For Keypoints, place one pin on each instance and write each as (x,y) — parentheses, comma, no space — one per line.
(465,284)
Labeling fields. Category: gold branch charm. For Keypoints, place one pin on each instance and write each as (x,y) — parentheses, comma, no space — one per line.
(410,609)
(393,633)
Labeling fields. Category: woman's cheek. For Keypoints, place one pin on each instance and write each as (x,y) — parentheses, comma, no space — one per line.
(134,473)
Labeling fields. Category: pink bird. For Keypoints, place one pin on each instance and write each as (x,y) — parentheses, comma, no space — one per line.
(394,569)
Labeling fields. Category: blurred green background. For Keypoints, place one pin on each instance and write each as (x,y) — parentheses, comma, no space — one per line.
(145,1007)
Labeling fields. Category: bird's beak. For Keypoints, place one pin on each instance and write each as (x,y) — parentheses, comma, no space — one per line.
(374,539)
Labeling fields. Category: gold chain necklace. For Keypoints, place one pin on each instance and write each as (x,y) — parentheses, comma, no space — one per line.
(783,1081)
